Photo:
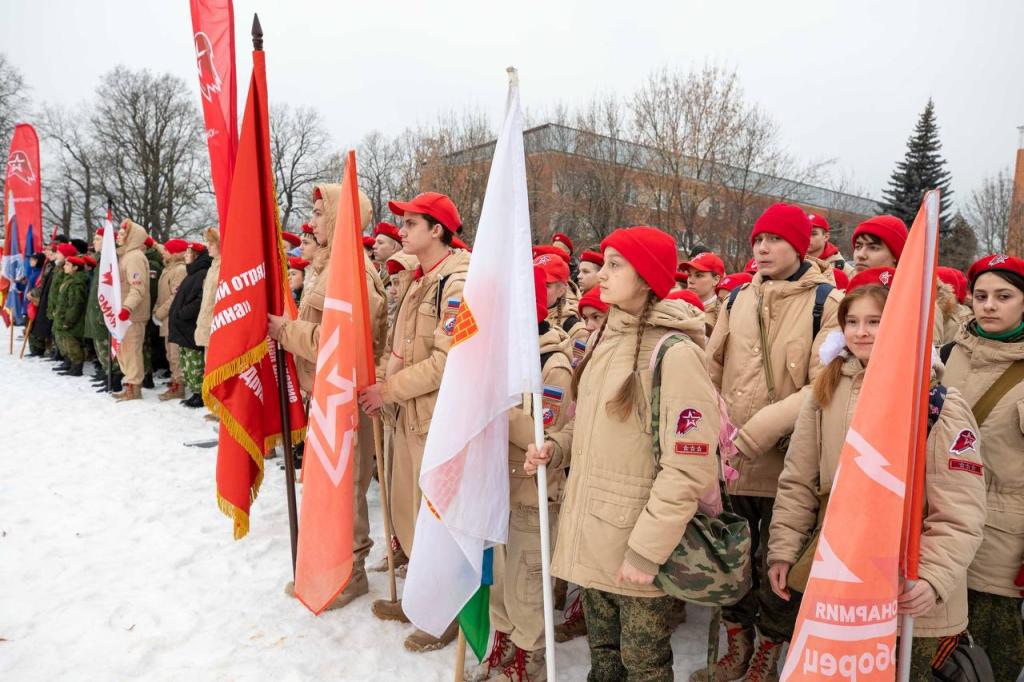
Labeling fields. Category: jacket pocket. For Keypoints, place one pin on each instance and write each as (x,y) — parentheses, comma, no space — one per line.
(605,531)
(1010,522)
(797,351)
(525,518)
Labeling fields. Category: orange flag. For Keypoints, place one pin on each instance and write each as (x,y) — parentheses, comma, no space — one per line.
(344,365)
(240,385)
(847,623)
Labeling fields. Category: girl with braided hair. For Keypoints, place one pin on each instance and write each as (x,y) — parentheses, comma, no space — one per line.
(642,450)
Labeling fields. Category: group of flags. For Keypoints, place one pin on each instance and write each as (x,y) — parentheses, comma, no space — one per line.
(22,222)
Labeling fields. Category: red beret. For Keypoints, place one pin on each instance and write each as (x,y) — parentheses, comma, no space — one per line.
(368,241)
(555,269)
(90,261)
(149,242)
(730,282)
(890,229)
(175,245)
(292,239)
(547,249)
(688,296)
(995,263)
(459,244)
(705,262)
(67,250)
(682,276)
(650,251)
(818,221)
(955,279)
(388,230)
(842,281)
(296,263)
(559,237)
(76,260)
(592,299)
(789,222)
(198,247)
(592,257)
(540,293)
(437,206)
(394,267)
(878,276)
(307,229)
(751,267)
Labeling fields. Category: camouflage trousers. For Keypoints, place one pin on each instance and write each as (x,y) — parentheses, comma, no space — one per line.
(36,345)
(630,637)
(102,348)
(69,346)
(995,623)
(774,617)
(193,365)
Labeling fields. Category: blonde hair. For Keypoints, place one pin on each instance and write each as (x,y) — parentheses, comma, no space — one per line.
(212,235)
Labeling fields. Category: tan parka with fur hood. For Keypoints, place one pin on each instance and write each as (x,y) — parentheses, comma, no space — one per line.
(621,504)
(973,366)
(166,288)
(134,271)
(735,357)
(954,494)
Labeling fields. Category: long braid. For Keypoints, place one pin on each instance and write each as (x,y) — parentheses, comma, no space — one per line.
(578,372)
(624,402)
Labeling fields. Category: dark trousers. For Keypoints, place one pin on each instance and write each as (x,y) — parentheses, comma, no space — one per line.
(995,623)
(630,637)
(774,617)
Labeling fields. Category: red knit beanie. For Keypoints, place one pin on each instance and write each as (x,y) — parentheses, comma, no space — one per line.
(842,281)
(175,246)
(787,221)
(651,252)
(730,282)
(688,296)
(540,291)
(592,299)
(890,229)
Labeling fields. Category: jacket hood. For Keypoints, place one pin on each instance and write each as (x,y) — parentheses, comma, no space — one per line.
(852,367)
(945,297)
(669,316)
(135,237)
(202,262)
(991,351)
(331,193)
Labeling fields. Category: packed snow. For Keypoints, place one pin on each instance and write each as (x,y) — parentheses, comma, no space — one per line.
(116,564)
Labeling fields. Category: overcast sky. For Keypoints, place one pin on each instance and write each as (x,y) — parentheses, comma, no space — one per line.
(844,80)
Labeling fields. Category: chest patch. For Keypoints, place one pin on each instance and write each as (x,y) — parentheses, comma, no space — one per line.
(965,465)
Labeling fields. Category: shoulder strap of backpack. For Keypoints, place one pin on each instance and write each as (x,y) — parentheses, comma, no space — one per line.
(569,322)
(820,296)
(439,296)
(1013,375)
(946,351)
(732,297)
(544,357)
(666,342)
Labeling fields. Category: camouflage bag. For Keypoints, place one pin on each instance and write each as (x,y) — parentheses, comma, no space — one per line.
(711,563)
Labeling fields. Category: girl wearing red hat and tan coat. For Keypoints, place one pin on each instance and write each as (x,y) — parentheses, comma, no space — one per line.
(987,365)
(954,489)
(762,352)
(625,507)
(301,337)
(517,598)
(170,279)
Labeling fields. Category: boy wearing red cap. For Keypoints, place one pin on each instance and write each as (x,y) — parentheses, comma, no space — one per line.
(167,286)
(296,276)
(409,375)
(703,273)
(820,247)
(561,312)
(763,351)
(517,650)
(386,243)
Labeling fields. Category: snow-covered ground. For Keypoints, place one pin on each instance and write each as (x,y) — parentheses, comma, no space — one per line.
(116,564)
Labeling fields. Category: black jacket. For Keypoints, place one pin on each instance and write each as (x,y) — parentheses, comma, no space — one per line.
(184,311)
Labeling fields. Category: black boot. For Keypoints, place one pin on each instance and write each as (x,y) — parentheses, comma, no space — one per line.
(195,401)
(147,381)
(115,385)
(74,371)
(62,367)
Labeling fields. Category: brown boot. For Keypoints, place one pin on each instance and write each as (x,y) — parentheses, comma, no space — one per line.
(527,666)
(400,558)
(389,610)
(764,664)
(420,641)
(734,664)
(574,625)
(174,391)
(502,653)
(357,586)
(130,392)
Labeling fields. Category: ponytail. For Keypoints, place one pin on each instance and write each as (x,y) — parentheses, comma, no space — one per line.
(827,380)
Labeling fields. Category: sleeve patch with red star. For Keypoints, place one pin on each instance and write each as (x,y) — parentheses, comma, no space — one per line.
(688,420)
(685,448)
(965,465)
(964,441)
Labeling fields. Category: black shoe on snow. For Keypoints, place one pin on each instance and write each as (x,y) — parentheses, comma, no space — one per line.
(62,367)
(75,370)
(196,400)
(147,381)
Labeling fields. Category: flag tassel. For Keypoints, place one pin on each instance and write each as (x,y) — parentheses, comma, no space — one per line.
(545,540)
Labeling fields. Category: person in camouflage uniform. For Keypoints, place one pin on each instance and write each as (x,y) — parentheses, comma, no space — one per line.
(60,256)
(69,313)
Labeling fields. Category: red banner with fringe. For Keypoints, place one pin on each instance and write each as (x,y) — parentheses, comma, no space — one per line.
(241,386)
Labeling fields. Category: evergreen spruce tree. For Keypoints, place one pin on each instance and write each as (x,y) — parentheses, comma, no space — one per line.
(922,169)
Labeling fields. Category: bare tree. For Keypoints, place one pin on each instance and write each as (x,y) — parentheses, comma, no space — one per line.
(77,190)
(149,139)
(988,211)
(299,147)
(380,163)
(13,100)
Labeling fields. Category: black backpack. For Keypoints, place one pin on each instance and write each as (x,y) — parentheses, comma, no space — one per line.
(966,663)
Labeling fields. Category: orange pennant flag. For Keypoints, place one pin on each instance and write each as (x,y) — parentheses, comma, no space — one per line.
(847,623)
(344,366)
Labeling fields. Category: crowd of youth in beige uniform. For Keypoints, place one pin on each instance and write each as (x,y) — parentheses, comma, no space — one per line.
(747,353)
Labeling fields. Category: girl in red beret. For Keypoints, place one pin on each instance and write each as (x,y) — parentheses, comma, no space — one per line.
(629,495)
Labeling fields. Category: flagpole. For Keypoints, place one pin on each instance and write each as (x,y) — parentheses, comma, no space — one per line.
(282,390)
(545,540)
(24,341)
(385,503)
(460,656)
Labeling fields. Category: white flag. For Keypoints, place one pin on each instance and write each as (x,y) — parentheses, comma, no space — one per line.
(493,360)
(109,290)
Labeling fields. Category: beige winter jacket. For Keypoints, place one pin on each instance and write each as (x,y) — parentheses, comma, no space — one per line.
(570,308)
(170,280)
(420,338)
(954,495)
(618,504)
(711,315)
(974,365)
(734,356)
(948,307)
(134,270)
(205,319)
(556,375)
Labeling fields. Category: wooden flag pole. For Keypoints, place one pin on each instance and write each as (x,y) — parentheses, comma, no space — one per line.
(385,503)
(545,540)
(24,341)
(460,656)
(10,348)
